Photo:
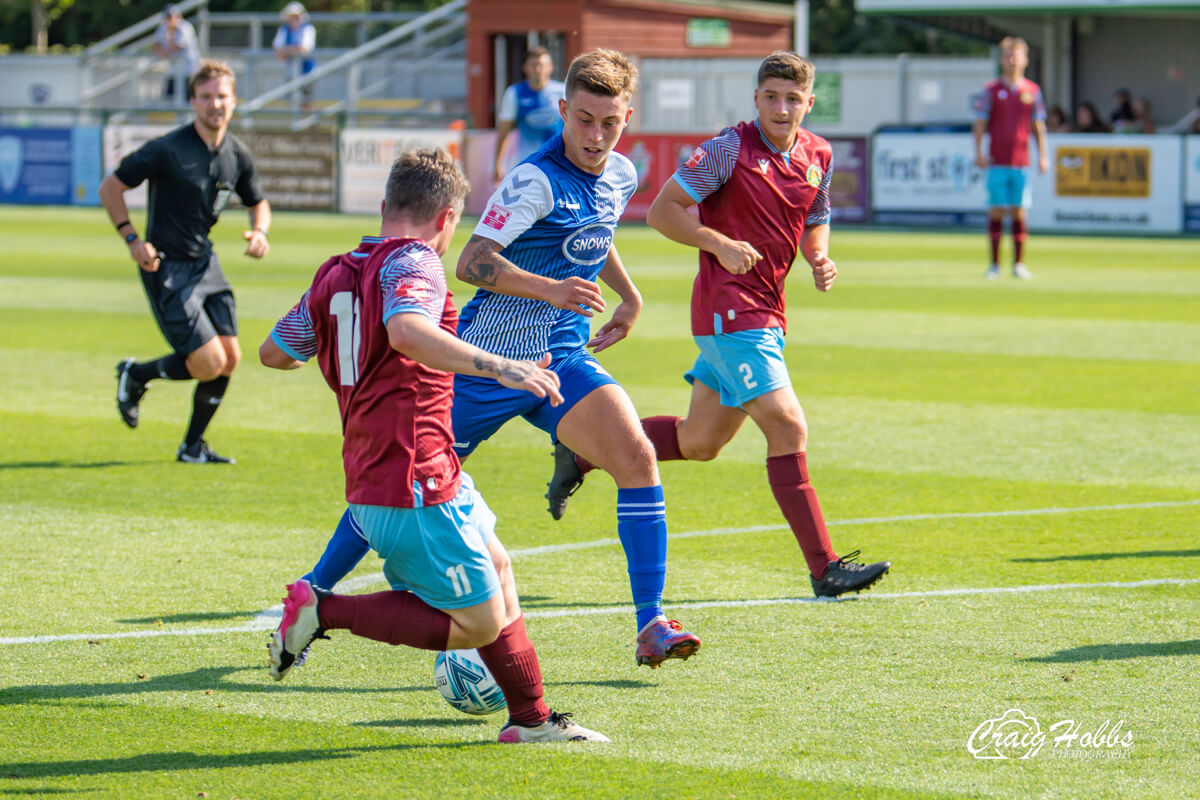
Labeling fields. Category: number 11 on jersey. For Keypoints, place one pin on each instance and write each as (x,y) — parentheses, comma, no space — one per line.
(345,307)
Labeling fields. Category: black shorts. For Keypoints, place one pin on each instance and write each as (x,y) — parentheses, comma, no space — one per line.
(192,301)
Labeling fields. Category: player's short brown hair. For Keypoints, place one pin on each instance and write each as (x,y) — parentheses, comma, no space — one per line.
(1014,41)
(209,69)
(422,183)
(602,72)
(789,66)
(536,52)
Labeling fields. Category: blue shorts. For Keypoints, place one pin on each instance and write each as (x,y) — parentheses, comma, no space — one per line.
(1009,186)
(742,365)
(482,405)
(439,553)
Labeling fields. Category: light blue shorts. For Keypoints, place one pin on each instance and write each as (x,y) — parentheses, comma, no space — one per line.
(482,405)
(439,553)
(741,366)
(1009,186)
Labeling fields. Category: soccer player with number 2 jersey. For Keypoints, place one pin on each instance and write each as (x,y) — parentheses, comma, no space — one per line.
(762,188)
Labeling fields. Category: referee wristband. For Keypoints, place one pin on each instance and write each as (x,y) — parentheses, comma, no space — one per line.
(120,225)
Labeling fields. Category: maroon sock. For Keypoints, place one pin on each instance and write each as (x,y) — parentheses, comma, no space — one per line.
(797,500)
(514,664)
(392,617)
(995,231)
(1019,234)
(663,433)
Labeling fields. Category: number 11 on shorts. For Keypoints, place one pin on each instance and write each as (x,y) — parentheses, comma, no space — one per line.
(458,576)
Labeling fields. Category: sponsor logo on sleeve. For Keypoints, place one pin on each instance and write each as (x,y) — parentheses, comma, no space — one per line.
(695,158)
(496,216)
(414,290)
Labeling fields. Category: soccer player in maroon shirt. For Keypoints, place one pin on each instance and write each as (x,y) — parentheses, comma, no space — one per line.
(763,193)
(1007,109)
(380,321)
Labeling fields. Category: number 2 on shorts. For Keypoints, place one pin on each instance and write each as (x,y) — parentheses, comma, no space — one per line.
(747,376)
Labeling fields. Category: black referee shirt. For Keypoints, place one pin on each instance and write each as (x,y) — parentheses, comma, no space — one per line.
(189,185)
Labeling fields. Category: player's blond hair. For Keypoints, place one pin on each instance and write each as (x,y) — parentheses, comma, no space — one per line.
(1014,41)
(422,183)
(606,73)
(787,65)
(209,69)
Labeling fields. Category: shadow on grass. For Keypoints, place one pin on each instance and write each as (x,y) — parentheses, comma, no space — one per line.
(200,680)
(1120,652)
(71,464)
(41,791)
(170,762)
(1111,556)
(199,617)
(461,721)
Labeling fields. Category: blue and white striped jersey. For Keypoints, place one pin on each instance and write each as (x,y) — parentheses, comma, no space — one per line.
(553,219)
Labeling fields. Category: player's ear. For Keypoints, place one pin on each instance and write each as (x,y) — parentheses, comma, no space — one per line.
(628,114)
(562,108)
(444,218)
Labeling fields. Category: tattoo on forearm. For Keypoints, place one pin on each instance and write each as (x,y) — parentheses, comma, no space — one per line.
(484,264)
(501,367)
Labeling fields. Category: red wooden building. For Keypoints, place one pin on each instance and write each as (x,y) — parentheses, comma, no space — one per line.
(500,31)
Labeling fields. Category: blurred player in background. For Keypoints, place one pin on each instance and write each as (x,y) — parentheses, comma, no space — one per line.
(192,171)
(530,108)
(380,322)
(762,188)
(1007,109)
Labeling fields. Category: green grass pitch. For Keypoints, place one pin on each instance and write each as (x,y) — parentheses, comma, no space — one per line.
(1026,454)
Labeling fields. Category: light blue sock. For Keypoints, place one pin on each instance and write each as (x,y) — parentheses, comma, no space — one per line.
(642,528)
(346,548)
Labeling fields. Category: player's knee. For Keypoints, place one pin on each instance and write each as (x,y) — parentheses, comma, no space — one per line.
(636,462)
(481,632)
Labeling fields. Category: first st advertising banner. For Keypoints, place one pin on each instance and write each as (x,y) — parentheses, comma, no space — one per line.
(1096,183)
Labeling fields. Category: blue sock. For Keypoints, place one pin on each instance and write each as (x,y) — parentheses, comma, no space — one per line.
(642,528)
(345,549)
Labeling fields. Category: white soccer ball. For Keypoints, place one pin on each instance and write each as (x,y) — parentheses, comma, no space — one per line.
(465,682)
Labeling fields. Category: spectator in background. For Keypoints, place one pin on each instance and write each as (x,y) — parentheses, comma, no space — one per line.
(1087,119)
(176,42)
(1188,123)
(531,107)
(1142,122)
(294,44)
(1056,120)
(1122,115)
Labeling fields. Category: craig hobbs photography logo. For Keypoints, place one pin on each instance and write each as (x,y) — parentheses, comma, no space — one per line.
(1016,735)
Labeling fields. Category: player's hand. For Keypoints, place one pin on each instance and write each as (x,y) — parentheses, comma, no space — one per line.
(737,257)
(145,254)
(576,294)
(257,244)
(824,271)
(981,161)
(1043,163)
(617,328)
(532,377)
(497,173)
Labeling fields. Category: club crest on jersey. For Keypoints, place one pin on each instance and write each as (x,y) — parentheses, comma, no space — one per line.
(763,164)
(589,245)
(496,216)
(695,158)
(814,175)
(1026,97)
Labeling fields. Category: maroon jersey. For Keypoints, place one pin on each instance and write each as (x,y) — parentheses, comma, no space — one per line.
(1010,111)
(750,191)
(397,447)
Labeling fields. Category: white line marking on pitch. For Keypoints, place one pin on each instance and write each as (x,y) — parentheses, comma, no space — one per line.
(267,619)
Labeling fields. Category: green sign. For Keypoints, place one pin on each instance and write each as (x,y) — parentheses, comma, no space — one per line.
(708,33)
(827,108)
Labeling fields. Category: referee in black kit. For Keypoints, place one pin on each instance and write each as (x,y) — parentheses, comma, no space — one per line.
(192,171)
